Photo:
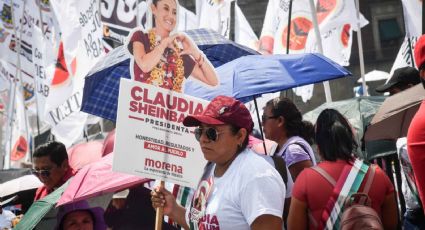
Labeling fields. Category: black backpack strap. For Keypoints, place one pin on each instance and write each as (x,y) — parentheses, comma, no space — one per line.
(280,165)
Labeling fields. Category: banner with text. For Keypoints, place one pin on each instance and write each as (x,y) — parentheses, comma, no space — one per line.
(151,140)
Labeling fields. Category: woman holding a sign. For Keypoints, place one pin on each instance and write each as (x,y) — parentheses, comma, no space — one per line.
(164,58)
(238,189)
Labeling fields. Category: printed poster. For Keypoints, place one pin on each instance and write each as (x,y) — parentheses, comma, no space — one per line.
(151,140)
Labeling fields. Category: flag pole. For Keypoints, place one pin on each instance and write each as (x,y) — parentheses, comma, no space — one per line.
(360,45)
(10,129)
(288,34)
(319,44)
(259,124)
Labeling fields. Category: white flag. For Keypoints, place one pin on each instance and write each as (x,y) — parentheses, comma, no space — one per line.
(187,20)
(214,15)
(332,18)
(5,90)
(412,10)
(17,145)
(404,56)
(82,33)
(19,134)
(244,34)
(336,21)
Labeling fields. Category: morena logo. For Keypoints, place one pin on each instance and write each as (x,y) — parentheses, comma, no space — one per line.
(163,165)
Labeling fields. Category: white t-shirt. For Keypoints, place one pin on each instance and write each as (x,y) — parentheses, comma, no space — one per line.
(6,219)
(290,183)
(250,187)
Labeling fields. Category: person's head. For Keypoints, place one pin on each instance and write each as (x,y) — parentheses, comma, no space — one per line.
(78,220)
(420,57)
(334,136)
(80,216)
(281,118)
(51,163)
(402,79)
(223,128)
(164,14)
(119,199)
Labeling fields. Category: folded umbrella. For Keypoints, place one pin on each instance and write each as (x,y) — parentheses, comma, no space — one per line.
(97,179)
(393,118)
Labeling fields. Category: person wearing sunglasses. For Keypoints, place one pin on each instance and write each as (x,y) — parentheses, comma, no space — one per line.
(51,167)
(282,122)
(238,189)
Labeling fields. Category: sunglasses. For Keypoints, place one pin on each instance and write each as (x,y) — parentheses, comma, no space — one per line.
(42,172)
(211,133)
(264,118)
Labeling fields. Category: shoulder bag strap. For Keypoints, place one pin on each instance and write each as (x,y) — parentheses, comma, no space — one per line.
(369,179)
(280,166)
(322,172)
(347,184)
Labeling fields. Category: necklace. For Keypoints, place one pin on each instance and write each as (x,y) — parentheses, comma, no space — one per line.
(163,68)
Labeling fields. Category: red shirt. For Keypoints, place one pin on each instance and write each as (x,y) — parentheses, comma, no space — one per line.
(311,188)
(416,149)
(43,191)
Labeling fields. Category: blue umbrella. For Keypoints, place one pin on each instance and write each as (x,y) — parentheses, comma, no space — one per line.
(242,78)
(254,75)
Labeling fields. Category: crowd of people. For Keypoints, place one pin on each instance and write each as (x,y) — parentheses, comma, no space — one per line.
(241,189)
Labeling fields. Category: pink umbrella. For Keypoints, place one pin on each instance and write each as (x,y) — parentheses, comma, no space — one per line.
(108,143)
(97,179)
(82,154)
(258,147)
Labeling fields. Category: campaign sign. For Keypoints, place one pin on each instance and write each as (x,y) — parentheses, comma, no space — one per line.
(151,140)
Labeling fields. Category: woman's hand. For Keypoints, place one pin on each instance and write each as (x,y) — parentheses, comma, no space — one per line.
(168,42)
(188,47)
(160,197)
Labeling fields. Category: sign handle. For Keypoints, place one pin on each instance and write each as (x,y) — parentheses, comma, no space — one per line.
(159,212)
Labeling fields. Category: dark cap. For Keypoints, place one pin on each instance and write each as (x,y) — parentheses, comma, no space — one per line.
(401,77)
(420,51)
(223,110)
